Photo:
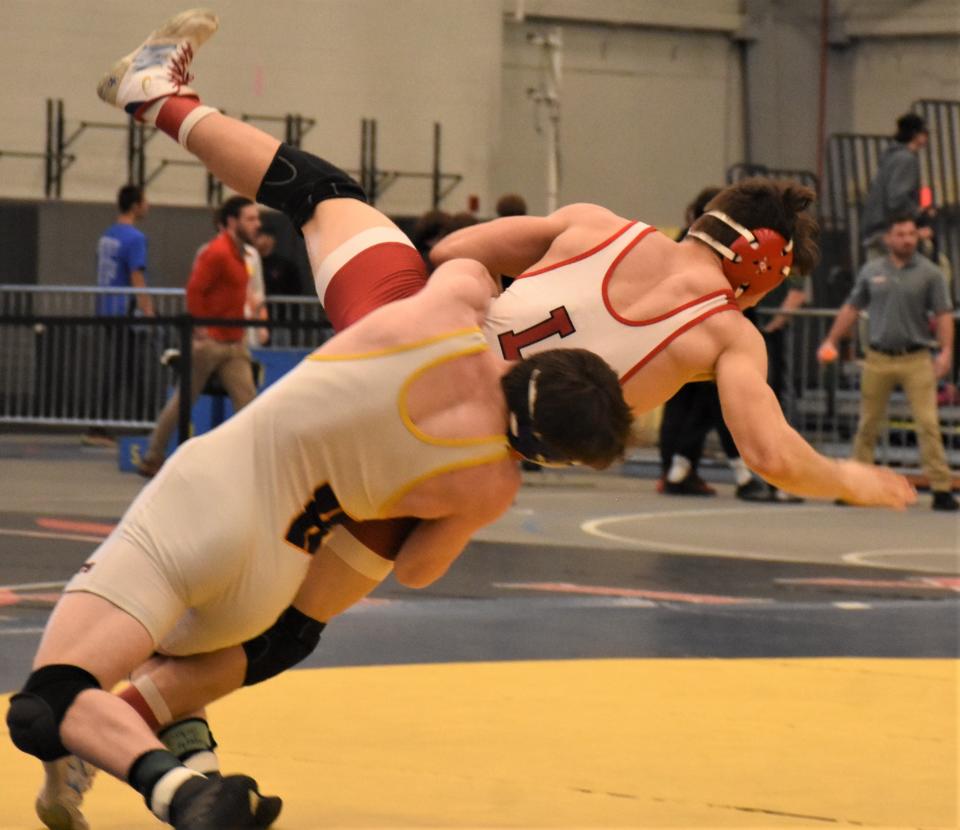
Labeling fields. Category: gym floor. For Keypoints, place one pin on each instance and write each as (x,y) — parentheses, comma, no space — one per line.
(603,656)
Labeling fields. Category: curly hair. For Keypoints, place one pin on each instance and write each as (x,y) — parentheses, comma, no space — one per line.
(781,205)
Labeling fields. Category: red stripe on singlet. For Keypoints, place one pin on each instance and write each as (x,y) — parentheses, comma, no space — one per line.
(585,254)
(376,276)
(731,306)
(723,292)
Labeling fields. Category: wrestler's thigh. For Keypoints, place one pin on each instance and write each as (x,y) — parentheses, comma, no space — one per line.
(111,645)
(335,221)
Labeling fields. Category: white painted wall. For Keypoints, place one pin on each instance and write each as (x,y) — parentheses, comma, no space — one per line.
(406,63)
(649,117)
(651,90)
(890,74)
(883,55)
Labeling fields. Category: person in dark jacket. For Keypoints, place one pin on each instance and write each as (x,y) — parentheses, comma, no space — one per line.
(895,189)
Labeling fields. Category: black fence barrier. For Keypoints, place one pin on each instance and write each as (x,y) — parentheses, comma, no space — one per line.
(113,371)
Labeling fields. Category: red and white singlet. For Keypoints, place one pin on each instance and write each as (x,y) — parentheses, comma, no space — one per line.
(567,305)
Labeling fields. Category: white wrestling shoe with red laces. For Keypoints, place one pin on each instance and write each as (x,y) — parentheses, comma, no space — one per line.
(160,67)
(58,804)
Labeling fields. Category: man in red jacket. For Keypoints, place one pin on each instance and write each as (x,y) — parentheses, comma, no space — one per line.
(217,288)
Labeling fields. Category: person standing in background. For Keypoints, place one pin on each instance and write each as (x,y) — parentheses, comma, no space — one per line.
(790,295)
(901,292)
(895,189)
(511,204)
(689,416)
(122,263)
(281,276)
(218,288)
(255,307)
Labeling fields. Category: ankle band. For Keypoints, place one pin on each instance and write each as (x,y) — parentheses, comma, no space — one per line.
(194,117)
(187,737)
(144,696)
(166,788)
(178,115)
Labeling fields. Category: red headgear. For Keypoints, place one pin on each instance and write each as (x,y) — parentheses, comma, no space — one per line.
(756,262)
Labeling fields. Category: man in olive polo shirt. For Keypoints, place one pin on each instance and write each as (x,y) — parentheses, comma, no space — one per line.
(901,292)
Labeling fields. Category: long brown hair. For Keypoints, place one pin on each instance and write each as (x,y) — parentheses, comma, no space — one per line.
(781,205)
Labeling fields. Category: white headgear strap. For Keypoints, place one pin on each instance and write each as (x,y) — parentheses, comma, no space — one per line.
(719,247)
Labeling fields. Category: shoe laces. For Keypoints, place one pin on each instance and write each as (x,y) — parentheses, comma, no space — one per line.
(178,71)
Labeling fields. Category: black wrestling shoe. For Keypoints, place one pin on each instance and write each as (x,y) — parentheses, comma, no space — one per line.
(944,500)
(692,485)
(753,490)
(268,807)
(229,803)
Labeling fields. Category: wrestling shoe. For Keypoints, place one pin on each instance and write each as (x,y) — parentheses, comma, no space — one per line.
(944,500)
(216,803)
(58,804)
(159,67)
(692,485)
(267,809)
(753,490)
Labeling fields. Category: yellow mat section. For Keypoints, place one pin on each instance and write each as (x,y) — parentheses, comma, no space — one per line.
(602,743)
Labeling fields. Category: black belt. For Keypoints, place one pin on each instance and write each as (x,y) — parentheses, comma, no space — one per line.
(900,352)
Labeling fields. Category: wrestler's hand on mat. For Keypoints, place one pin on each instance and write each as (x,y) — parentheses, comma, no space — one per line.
(871,486)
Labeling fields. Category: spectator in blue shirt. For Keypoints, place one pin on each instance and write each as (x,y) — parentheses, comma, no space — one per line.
(122,263)
(122,257)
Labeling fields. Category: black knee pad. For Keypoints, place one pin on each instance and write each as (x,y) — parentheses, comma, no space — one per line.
(296,182)
(292,638)
(36,713)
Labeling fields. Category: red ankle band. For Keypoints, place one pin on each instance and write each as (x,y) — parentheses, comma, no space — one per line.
(172,113)
(139,704)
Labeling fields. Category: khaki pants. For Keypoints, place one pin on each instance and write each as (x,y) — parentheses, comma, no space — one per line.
(914,372)
(231,361)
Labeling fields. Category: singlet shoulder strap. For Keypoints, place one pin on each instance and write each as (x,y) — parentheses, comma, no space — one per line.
(614,243)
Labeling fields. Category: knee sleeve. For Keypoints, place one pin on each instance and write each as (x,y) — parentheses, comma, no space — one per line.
(296,182)
(292,638)
(36,713)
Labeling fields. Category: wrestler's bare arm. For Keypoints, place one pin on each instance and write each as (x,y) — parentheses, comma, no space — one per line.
(509,246)
(777,452)
(462,281)
(434,544)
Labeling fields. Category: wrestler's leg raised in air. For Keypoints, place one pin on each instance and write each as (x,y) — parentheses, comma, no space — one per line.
(360,259)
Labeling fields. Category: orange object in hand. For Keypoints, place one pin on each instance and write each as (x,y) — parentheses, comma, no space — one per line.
(827,353)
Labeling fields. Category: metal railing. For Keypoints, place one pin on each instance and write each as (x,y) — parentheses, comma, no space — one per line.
(80,357)
(822,402)
(852,160)
(62,364)
(743,170)
(940,159)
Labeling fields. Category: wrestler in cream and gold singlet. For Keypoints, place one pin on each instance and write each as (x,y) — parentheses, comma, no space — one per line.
(216,546)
